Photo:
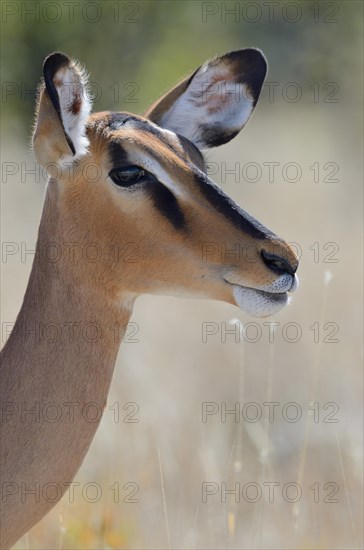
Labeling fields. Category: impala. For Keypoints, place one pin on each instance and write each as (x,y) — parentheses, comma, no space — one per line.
(117,179)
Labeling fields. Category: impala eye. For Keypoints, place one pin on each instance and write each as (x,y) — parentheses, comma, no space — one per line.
(128,175)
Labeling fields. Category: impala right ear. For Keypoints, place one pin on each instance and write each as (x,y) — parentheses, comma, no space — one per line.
(212,105)
(63,109)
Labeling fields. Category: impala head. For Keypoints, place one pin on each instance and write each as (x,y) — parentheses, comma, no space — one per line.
(136,187)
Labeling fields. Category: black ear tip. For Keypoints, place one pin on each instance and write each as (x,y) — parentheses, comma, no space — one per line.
(257,57)
(53,62)
(253,59)
(248,55)
(252,67)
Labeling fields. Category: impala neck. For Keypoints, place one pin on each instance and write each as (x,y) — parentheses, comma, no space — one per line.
(58,363)
(66,328)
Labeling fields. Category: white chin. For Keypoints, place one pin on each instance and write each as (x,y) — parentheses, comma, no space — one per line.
(259,303)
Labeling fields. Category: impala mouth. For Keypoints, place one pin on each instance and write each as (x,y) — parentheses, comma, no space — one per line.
(258,302)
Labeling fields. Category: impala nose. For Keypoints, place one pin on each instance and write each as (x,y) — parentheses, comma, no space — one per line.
(277,264)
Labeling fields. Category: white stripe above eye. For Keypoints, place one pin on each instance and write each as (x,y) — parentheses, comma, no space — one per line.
(149,163)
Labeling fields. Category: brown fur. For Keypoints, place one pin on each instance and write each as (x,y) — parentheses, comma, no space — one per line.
(139,251)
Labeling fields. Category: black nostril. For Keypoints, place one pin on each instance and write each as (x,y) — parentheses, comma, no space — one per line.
(277,264)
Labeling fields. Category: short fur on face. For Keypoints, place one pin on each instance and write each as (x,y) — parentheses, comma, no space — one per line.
(176,231)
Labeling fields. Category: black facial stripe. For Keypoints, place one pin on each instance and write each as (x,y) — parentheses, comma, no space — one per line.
(193,152)
(167,204)
(228,208)
(118,155)
(162,198)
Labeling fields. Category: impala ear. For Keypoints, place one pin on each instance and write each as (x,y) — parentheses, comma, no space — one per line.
(63,109)
(211,107)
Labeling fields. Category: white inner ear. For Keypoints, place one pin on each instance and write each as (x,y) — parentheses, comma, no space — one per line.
(75,105)
(212,99)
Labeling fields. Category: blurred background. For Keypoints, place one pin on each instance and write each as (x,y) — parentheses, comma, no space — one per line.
(155,445)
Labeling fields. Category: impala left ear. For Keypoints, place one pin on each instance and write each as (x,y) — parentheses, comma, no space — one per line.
(63,109)
(211,107)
